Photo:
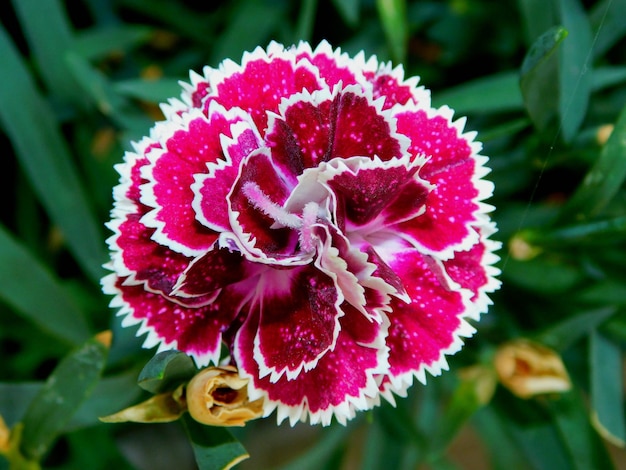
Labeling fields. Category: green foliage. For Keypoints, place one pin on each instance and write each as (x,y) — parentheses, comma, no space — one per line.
(540,82)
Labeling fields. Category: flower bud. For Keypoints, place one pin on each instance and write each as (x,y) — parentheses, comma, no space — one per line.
(528,369)
(218,396)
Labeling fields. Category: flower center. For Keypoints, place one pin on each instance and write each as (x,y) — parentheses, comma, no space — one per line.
(282,218)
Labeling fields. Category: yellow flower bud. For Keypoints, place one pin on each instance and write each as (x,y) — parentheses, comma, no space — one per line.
(218,396)
(528,369)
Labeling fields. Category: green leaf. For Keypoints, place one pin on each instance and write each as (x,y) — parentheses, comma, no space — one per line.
(349,10)
(49,36)
(214,448)
(306,21)
(582,444)
(598,232)
(45,158)
(166,371)
(495,93)
(475,389)
(607,21)
(565,333)
(603,180)
(607,396)
(542,274)
(36,294)
(392,15)
(95,43)
(15,399)
(66,389)
(539,78)
(155,91)
(574,68)
(608,76)
(110,395)
(331,438)
(537,16)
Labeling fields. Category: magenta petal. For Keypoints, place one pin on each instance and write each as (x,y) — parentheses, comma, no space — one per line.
(299,320)
(333,66)
(211,189)
(341,382)
(259,85)
(428,327)
(454,169)
(195,142)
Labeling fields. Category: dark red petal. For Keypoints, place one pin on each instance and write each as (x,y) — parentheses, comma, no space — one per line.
(298,312)
(371,189)
(196,331)
(341,382)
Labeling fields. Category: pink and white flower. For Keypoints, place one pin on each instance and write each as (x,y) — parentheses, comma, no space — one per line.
(309,218)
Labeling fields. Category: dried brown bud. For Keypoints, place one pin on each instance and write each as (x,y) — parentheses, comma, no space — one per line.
(528,369)
(218,396)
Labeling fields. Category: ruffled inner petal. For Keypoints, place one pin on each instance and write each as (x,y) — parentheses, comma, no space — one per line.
(318,127)
(250,218)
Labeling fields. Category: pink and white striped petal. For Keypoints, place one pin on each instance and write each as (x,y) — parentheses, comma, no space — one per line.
(456,169)
(188,145)
(426,329)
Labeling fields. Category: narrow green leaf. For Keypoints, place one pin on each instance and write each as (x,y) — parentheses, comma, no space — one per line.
(306,21)
(392,15)
(564,334)
(49,36)
(607,21)
(608,76)
(349,10)
(598,232)
(66,389)
(474,390)
(166,371)
(575,68)
(542,274)
(603,180)
(45,158)
(585,449)
(95,43)
(155,91)
(34,293)
(607,396)
(111,394)
(494,93)
(539,78)
(214,448)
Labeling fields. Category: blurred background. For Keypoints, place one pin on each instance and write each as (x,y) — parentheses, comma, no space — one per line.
(80,79)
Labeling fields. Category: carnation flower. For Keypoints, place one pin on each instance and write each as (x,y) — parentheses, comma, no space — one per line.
(309,219)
